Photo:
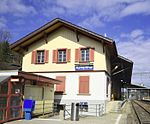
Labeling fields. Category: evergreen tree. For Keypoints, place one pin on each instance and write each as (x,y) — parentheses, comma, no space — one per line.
(4,46)
(7,57)
(5,52)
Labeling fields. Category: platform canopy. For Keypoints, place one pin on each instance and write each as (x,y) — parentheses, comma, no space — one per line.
(134,86)
(122,69)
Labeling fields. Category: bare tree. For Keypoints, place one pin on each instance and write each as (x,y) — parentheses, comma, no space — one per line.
(5,36)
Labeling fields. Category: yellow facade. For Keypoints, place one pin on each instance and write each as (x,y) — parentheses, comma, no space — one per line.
(64,38)
(44,101)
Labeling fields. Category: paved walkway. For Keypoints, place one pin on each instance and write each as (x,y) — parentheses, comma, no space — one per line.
(110,118)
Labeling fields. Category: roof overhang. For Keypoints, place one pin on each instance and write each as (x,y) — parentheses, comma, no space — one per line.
(37,78)
(48,28)
(134,86)
(122,69)
(15,74)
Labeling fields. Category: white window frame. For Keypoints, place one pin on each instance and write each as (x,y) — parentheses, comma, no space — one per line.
(40,56)
(85,55)
(62,55)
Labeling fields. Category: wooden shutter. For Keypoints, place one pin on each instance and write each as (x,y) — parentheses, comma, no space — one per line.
(68,54)
(33,57)
(61,87)
(55,58)
(92,54)
(84,84)
(77,55)
(46,56)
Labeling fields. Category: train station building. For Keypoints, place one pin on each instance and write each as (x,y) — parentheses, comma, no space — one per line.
(86,63)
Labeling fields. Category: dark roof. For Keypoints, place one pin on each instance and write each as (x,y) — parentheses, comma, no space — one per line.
(134,86)
(124,70)
(51,26)
(26,75)
(36,77)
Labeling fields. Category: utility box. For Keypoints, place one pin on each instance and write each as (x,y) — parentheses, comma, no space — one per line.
(29,106)
(75,112)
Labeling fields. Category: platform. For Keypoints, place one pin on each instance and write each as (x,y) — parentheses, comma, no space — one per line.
(122,117)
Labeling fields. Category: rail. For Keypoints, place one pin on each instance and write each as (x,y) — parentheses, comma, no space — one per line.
(90,110)
(141,112)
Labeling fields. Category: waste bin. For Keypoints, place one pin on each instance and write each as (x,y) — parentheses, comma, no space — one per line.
(75,112)
(29,106)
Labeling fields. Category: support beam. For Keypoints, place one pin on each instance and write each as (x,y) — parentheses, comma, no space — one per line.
(45,37)
(103,46)
(22,49)
(77,35)
(120,71)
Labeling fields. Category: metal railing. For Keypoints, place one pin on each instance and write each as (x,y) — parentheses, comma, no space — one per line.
(90,110)
(67,111)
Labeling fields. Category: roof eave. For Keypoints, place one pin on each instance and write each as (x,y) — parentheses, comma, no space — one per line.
(61,22)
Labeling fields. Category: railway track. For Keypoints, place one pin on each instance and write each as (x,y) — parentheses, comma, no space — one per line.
(142,111)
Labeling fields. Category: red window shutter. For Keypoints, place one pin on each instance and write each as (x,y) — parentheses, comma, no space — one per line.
(55,56)
(92,54)
(61,87)
(68,55)
(77,55)
(33,57)
(46,55)
(84,84)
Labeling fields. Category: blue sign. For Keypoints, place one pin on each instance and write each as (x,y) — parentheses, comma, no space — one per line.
(84,67)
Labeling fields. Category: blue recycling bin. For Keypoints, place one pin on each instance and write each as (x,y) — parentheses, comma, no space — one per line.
(29,106)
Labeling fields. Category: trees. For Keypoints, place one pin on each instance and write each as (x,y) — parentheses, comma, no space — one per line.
(4,46)
(8,58)
(5,52)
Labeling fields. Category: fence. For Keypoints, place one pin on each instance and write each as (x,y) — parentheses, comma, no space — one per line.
(90,110)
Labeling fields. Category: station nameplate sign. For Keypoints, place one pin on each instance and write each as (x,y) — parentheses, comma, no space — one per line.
(84,67)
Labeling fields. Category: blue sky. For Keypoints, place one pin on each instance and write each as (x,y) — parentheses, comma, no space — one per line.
(125,21)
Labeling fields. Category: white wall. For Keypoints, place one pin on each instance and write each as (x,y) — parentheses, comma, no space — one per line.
(97,86)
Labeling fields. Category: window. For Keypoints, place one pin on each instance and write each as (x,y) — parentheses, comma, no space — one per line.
(84,85)
(40,56)
(61,55)
(84,55)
